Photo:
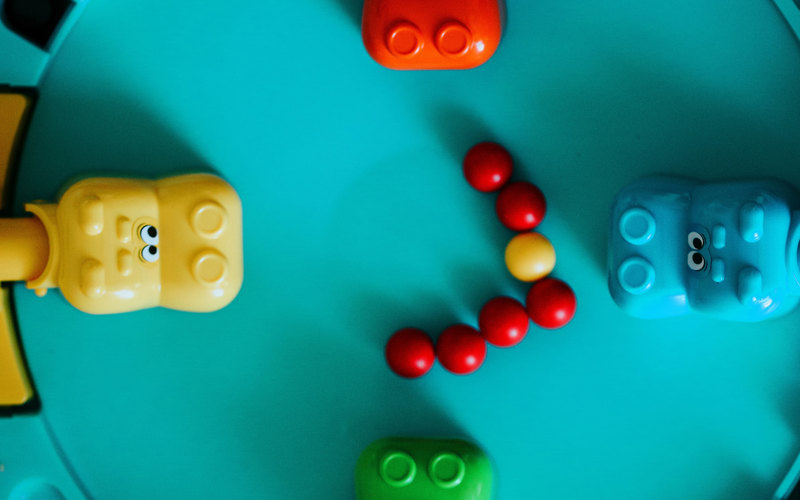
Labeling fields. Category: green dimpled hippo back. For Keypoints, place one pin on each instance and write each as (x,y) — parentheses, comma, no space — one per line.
(423,469)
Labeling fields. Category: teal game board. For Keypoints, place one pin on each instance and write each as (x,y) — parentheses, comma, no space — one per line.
(357,222)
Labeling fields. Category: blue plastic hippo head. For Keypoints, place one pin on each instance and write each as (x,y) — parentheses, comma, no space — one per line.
(727,249)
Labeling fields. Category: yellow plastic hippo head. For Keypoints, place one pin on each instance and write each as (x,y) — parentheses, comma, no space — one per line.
(119,245)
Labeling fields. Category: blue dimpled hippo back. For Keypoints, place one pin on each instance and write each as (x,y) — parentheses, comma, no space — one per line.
(727,249)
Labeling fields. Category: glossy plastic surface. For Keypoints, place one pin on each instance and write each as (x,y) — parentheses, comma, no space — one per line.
(24,249)
(15,386)
(430,469)
(461,349)
(503,322)
(410,353)
(521,206)
(14,110)
(421,34)
(551,303)
(487,166)
(728,249)
(350,235)
(530,256)
(119,245)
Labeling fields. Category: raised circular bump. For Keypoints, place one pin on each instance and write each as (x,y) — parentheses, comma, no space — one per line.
(404,40)
(210,268)
(398,469)
(447,470)
(636,275)
(208,219)
(453,39)
(637,226)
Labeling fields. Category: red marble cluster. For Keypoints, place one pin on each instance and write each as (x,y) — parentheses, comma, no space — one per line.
(503,321)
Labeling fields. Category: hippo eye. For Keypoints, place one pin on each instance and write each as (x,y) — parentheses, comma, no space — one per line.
(696,240)
(149,234)
(150,253)
(696,261)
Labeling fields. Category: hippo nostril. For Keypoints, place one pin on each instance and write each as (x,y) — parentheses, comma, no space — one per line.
(637,226)
(453,39)
(397,468)
(210,268)
(636,275)
(208,219)
(404,40)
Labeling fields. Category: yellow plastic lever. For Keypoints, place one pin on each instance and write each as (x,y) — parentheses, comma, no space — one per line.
(15,386)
